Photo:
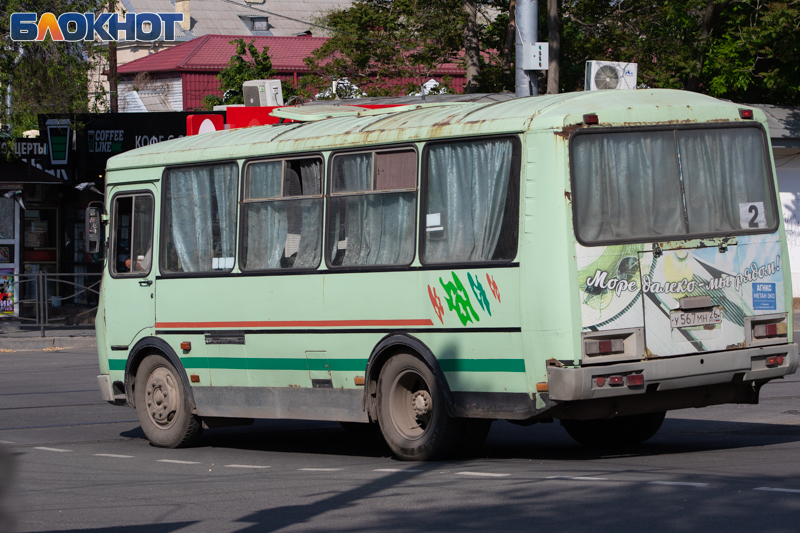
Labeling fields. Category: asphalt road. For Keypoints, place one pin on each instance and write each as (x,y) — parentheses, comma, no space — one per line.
(83,465)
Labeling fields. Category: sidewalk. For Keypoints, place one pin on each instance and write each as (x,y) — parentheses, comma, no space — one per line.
(22,338)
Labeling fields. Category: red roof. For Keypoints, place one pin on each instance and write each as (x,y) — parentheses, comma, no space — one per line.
(214,52)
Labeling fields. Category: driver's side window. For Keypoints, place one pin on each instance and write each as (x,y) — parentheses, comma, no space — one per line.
(132,235)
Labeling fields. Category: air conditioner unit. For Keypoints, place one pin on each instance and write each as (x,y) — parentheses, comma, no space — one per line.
(601,75)
(260,93)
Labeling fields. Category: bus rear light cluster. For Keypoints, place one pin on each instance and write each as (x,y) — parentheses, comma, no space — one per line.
(765,331)
(605,347)
(635,380)
(746,113)
(631,380)
(773,360)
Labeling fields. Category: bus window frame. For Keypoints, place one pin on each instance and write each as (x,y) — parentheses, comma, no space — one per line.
(515,182)
(675,128)
(375,149)
(112,237)
(243,201)
(163,211)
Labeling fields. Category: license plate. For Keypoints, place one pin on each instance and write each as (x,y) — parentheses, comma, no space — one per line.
(687,319)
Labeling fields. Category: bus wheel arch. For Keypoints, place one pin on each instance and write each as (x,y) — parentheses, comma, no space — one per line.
(395,344)
(154,346)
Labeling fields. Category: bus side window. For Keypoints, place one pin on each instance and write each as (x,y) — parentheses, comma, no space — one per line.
(471,201)
(372,209)
(133,235)
(282,214)
(199,228)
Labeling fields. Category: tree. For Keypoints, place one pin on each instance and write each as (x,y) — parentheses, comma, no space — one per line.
(241,68)
(741,50)
(388,47)
(49,76)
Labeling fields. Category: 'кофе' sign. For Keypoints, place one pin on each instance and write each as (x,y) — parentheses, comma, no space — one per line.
(100,136)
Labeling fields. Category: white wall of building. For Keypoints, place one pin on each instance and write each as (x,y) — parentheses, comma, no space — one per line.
(787,163)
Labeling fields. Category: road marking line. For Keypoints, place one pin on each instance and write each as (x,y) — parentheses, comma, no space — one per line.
(113,455)
(481,474)
(51,449)
(6,442)
(245,466)
(678,483)
(320,469)
(776,489)
(578,478)
(396,470)
(179,462)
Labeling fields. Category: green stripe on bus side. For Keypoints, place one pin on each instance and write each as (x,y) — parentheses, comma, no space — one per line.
(343,365)
(482,365)
(339,365)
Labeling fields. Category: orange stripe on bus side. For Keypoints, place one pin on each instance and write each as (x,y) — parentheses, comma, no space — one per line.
(296,324)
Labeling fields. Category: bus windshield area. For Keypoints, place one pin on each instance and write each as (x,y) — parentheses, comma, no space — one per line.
(665,184)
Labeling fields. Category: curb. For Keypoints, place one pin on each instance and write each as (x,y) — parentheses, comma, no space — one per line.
(51,343)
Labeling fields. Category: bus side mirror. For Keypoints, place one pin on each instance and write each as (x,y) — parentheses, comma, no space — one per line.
(92,230)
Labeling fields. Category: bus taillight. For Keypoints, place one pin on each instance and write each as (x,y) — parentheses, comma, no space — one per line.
(773,360)
(604,347)
(761,331)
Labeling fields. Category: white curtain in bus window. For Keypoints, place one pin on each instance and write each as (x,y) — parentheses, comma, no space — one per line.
(466,202)
(200,219)
(372,208)
(282,215)
(627,185)
(724,169)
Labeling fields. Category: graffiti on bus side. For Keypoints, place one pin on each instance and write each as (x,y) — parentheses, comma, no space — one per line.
(458,298)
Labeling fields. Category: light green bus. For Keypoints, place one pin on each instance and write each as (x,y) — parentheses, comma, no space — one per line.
(597,257)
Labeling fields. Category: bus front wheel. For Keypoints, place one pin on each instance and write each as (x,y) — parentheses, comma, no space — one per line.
(412,411)
(162,405)
(620,431)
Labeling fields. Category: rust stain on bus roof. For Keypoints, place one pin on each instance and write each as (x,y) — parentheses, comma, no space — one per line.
(566,131)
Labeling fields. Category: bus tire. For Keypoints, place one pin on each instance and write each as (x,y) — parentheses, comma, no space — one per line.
(412,412)
(162,405)
(620,431)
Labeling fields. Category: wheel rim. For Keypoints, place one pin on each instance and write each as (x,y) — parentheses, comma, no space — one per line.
(410,405)
(162,396)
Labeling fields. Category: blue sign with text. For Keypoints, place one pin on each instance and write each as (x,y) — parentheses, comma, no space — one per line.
(764,297)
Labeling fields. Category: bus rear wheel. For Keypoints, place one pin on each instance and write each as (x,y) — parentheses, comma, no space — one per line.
(620,431)
(162,405)
(412,411)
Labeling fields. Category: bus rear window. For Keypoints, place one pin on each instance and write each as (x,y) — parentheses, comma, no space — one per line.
(644,185)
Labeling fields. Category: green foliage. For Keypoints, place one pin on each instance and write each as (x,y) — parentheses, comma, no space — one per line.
(385,46)
(47,76)
(757,60)
(746,52)
(241,68)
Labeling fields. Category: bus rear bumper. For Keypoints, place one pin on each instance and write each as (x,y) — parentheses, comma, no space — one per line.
(663,374)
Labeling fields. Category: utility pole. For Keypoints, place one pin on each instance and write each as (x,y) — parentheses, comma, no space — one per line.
(112,65)
(526,81)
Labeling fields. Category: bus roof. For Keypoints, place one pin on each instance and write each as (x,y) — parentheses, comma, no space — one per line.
(421,122)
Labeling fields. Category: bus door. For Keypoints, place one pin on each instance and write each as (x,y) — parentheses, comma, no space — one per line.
(130,293)
(692,302)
